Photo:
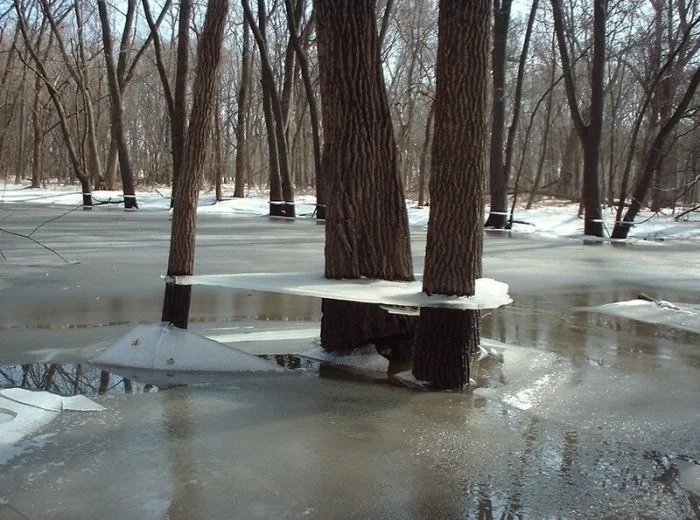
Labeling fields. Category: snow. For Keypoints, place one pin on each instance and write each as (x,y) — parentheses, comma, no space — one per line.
(551,219)
(23,412)
(489,294)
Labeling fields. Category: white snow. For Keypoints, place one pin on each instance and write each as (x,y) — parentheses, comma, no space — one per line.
(164,347)
(549,218)
(489,294)
(23,412)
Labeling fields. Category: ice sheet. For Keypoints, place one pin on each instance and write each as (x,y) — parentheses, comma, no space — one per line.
(489,294)
(162,346)
(675,315)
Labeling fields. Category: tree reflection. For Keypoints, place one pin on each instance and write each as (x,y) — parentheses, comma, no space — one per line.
(67,379)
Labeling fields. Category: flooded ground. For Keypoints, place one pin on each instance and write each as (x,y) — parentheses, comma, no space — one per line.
(582,415)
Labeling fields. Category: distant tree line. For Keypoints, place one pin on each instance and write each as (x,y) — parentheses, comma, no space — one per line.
(592,100)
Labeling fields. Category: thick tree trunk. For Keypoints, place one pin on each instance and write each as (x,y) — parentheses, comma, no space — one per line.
(366,222)
(445,338)
(176,302)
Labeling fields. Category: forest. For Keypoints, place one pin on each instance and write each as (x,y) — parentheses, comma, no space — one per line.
(590,101)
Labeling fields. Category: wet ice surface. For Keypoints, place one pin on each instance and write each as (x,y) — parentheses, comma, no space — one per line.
(587,415)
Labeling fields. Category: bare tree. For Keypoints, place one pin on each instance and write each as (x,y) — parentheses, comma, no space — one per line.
(590,133)
(115,92)
(176,302)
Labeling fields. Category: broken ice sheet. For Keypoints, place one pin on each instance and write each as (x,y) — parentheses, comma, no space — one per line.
(682,316)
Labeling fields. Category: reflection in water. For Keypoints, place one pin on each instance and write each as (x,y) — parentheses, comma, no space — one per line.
(186,491)
(67,379)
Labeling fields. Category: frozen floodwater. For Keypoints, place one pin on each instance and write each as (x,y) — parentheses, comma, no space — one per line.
(578,414)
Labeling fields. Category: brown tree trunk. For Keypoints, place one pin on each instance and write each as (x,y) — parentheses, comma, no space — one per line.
(176,302)
(366,222)
(445,338)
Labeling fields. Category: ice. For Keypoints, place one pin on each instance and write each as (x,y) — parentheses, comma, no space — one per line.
(162,346)
(681,316)
(23,412)
(489,293)
(364,358)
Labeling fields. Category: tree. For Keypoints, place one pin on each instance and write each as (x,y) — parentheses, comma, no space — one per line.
(590,133)
(176,302)
(117,113)
(366,222)
(498,177)
(281,203)
(78,170)
(445,338)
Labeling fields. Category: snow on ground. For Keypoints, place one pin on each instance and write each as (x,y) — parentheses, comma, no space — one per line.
(551,219)
(682,316)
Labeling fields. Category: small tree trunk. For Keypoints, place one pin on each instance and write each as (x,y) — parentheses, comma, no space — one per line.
(243,106)
(176,301)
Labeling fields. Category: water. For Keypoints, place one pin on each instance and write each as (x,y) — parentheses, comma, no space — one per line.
(582,415)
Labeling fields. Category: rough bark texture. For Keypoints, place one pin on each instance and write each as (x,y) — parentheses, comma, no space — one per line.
(176,302)
(444,338)
(366,222)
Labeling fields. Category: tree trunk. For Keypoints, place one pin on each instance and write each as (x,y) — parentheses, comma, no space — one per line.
(366,221)
(589,134)
(117,112)
(498,177)
(176,301)
(243,105)
(445,338)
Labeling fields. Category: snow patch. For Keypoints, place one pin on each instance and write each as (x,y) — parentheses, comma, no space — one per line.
(675,315)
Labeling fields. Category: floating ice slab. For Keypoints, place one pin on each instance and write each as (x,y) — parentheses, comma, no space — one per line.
(24,412)
(678,316)
(489,293)
(162,346)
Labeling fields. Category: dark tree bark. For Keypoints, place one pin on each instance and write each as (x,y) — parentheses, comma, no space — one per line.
(177,298)
(498,177)
(117,113)
(366,222)
(591,133)
(445,338)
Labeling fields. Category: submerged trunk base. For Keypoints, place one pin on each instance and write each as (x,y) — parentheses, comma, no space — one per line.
(443,343)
